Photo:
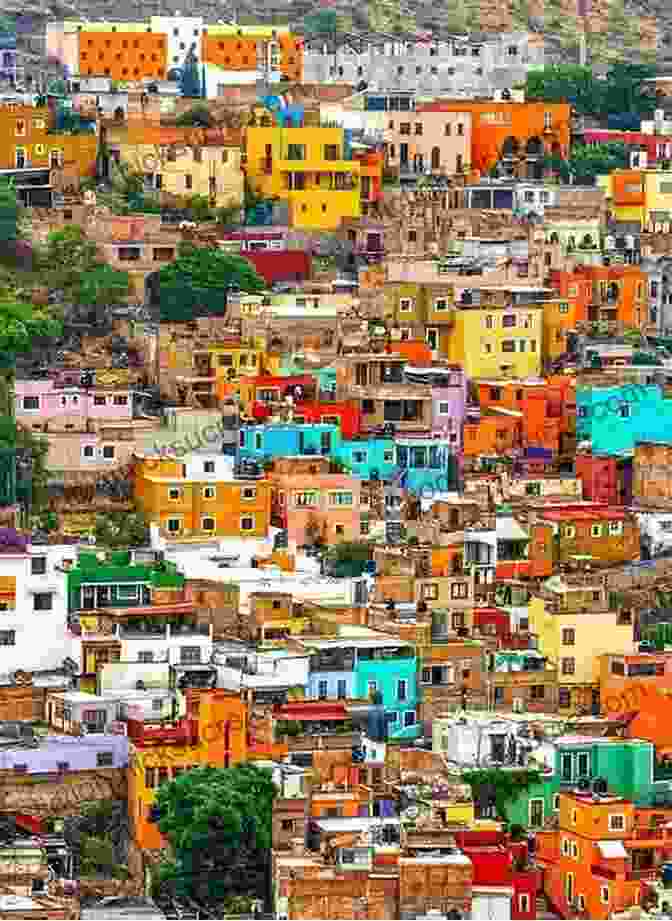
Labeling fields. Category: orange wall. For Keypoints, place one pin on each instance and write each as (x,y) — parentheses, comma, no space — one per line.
(523,121)
(483,438)
(122,55)
(236,52)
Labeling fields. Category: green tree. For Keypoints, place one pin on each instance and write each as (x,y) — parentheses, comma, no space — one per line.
(101,284)
(348,559)
(68,253)
(190,81)
(218,822)
(9,213)
(119,530)
(200,280)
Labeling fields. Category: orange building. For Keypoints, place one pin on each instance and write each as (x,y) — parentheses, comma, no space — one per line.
(241,49)
(602,851)
(512,131)
(213,733)
(597,292)
(122,55)
(26,140)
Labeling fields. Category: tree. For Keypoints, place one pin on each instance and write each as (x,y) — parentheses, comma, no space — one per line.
(68,254)
(9,213)
(100,285)
(348,559)
(190,81)
(119,530)
(218,822)
(200,280)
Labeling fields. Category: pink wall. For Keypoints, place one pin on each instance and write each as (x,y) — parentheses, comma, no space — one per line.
(296,518)
(72,401)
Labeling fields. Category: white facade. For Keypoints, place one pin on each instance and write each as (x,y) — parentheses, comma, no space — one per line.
(33,625)
(459,66)
(182,33)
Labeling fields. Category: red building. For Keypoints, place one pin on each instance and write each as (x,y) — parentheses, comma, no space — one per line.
(657,147)
(345,414)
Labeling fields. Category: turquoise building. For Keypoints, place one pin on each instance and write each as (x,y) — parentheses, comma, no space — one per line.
(628,766)
(614,419)
(353,668)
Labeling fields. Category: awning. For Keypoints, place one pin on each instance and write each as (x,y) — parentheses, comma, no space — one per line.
(612,850)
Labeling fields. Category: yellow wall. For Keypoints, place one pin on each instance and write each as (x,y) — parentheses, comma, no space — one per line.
(221,162)
(470,338)
(325,198)
(594,633)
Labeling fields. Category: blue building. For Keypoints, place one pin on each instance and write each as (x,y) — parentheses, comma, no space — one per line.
(615,418)
(266,442)
(347,669)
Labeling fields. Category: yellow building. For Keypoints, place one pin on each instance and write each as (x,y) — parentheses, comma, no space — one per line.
(212,171)
(307,168)
(491,339)
(201,498)
(573,625)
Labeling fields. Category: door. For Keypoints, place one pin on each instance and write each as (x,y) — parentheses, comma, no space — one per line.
(536,813)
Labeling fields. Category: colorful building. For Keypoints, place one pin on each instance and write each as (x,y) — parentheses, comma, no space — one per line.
(311,168)
(30,140)
(511,132)
(493,336)
(214,734)
(201,498)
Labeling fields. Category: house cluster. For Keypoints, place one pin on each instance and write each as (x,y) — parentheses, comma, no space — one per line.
(407,511)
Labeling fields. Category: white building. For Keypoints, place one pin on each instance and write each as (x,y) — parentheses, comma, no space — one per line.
(33,609)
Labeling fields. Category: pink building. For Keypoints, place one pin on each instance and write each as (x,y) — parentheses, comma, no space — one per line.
(423,140)
(312,506)
(44,399)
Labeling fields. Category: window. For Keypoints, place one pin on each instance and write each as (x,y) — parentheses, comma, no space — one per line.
(402,690)
(104,759)
(617,823)
(596,530)
(568,636)
(207,523)
(410,718)
(7,637)
(340,498)
(568,666)
(42,601)
(615,528)
(38,565)
(247,523)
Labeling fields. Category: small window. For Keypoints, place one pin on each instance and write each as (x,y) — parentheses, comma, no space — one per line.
(38,565)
